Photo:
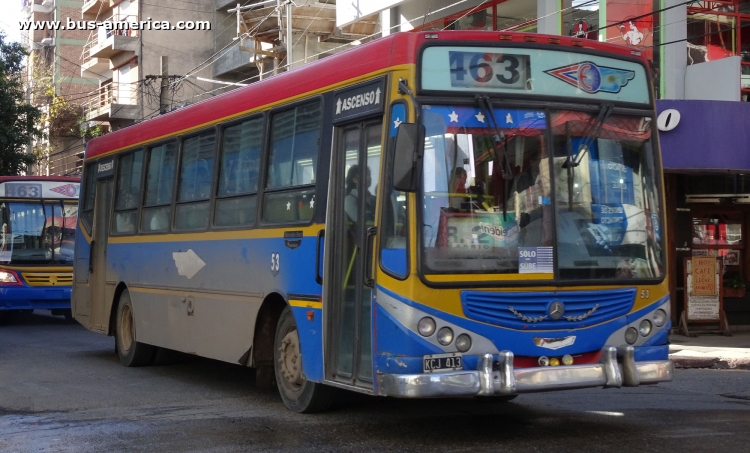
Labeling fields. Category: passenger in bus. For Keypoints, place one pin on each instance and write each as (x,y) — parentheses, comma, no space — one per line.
(527,192)
(352,195)
(457,185)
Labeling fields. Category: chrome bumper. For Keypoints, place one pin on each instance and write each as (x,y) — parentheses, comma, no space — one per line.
(507,380)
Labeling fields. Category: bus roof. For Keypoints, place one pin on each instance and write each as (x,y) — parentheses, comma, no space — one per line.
(344,67)
(39,178)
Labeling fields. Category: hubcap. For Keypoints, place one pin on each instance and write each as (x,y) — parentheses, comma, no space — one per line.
(291,359)
(127,328)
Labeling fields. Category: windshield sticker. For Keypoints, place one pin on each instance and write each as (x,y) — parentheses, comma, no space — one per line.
(69,190)
(535,260)
(592,78)
(5,256)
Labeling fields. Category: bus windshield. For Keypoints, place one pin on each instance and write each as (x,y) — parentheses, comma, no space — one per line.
(37,232)
(499,198)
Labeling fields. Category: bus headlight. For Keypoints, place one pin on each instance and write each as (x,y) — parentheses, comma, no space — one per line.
(445,336)
(660,317)
(631,335)
(7,277)
(426,326)
(463,342)
(645,327)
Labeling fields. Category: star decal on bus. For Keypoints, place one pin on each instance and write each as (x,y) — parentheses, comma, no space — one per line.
(453,116)
(591,78)
(480,117)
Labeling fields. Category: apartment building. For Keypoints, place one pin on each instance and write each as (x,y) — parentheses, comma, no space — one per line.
(55,85)
(126,60)
(277,35)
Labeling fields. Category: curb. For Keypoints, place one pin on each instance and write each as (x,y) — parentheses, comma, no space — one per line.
(716,363)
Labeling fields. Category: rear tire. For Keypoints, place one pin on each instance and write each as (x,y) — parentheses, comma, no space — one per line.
(131,352)
(298,394)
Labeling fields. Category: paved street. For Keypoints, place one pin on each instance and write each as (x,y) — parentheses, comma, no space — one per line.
(62,389)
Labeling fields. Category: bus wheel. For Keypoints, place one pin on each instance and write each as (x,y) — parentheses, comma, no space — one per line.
(299,394)
(131,352)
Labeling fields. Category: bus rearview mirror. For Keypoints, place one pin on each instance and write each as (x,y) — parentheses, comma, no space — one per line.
(407,159)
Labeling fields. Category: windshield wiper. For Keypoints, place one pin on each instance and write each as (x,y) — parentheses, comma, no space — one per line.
(573,160)
(489,112)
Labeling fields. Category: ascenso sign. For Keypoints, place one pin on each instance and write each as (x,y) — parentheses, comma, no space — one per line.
(359,100)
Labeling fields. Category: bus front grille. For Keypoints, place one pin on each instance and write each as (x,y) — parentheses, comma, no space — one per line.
(530,310)
(48,278)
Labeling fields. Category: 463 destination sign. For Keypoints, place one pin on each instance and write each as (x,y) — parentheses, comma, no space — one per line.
(489,70)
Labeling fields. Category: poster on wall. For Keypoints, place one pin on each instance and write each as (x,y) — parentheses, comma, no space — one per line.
(732,258)
(631,24)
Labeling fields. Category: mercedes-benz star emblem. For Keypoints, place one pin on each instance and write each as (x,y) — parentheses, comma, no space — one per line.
(556,309)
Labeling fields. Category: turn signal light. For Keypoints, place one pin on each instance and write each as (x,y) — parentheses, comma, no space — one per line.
(567,360)
(554,361)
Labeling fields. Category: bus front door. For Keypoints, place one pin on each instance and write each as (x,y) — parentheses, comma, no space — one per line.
(98,316)
(350,226)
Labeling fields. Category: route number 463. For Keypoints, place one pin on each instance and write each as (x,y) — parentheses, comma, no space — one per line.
(645,294)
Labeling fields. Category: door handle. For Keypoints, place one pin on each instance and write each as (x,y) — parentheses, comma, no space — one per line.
(318,252)
(367,265)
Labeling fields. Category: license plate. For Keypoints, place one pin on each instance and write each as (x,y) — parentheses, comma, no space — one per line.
(442,362)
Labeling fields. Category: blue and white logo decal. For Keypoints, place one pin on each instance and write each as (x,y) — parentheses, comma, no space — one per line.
(592,78)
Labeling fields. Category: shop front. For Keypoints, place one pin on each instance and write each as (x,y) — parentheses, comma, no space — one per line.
(706,159)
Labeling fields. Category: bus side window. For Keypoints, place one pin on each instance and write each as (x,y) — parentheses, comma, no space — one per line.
(128,192)
(238,174)
(292,164)
(159,185)
(87,200)
(196,173)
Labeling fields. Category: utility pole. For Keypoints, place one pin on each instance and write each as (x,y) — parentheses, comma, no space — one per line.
(163,103)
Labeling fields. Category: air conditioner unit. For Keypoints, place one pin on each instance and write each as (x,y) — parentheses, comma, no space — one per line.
(48,41)
(48,3)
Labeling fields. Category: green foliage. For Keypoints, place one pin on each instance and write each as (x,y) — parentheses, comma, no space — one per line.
(733,280)
(18,120)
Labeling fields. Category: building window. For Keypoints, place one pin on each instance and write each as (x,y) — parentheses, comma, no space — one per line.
(719,29)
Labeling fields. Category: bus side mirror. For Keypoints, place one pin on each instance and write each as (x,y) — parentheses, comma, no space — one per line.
(407,159)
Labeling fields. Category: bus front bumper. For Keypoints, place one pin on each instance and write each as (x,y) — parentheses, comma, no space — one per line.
(501,378)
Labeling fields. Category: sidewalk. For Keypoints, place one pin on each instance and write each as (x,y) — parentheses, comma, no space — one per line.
(711,351)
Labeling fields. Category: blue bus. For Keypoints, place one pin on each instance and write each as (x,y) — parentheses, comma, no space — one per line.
(38,215)
(429,214)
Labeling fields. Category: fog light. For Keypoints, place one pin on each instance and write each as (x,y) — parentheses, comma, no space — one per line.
(543,361)
(660,317)
(567,359)
(554,361)
(445,336)
(631,335)
(463,342)
(645,327)
(426,326)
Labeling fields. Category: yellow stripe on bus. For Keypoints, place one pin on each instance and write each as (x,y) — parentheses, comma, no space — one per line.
(306,304)
(257,233)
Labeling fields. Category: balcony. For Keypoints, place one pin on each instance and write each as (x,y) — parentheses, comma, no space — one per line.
(106,49)
(115,103)
(96,9)
(30,7)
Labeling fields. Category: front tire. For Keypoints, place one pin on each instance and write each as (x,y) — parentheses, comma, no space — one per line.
(298,394)
(131,352)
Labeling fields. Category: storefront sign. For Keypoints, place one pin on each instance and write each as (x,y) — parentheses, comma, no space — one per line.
(704,276)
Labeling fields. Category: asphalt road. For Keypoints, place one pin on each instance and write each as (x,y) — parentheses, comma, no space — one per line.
(62,389)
